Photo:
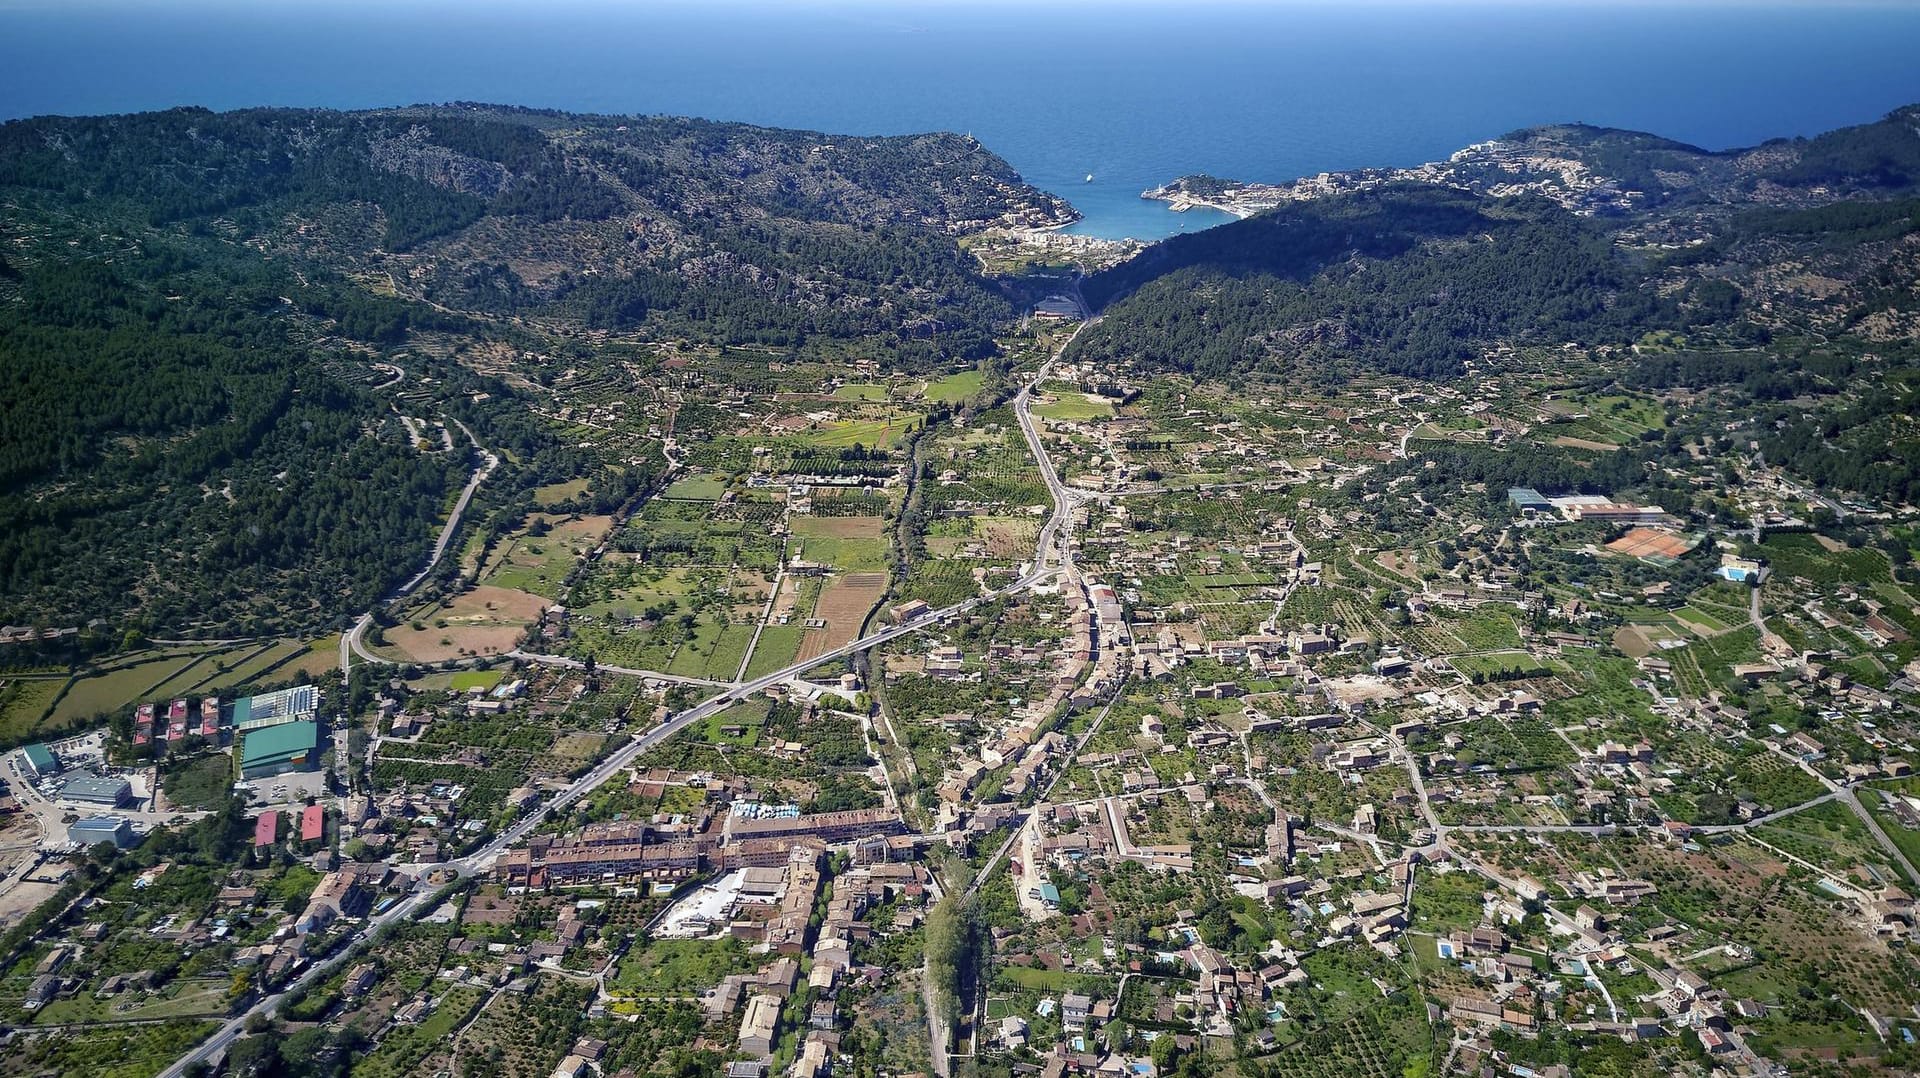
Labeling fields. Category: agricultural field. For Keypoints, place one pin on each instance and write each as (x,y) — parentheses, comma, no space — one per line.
(468,680)
(678,967)
(118,1051)
(1070,407)
(1701,621)
(556,494)
(1503,666)
(538,558)
(1822,561)
(861,391)
(883,428)
(847,543)
(1603,420)
(695,622)
(23,703)
(122,685)
(842,609)
(202,782)
(1831,836)
(954,388)
(482,620)
(697,488)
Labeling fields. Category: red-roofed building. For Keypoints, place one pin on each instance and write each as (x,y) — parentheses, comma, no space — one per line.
(313,823)
(266,829)
(210,717)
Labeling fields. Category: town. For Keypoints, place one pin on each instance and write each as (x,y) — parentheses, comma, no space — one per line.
(567,596)
(1114,723)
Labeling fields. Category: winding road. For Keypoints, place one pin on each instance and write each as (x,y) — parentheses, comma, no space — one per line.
(350,641)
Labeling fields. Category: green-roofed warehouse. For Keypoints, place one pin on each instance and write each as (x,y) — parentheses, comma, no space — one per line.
(41,761)
(274,750)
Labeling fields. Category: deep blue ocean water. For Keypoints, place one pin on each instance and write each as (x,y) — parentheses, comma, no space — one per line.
(1134,94)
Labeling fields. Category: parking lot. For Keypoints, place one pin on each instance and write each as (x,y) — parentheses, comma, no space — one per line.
(287,791)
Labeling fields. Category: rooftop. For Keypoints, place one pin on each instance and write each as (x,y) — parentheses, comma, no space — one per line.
(95,788)
(284,742)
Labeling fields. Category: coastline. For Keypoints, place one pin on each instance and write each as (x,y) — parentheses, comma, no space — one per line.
(1180,202)
(1239,200)
(1534,162)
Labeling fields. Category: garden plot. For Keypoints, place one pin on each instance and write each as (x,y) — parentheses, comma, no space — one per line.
(1070,406)
(690,621)
(870,428)
(1000,539)
(1602,422)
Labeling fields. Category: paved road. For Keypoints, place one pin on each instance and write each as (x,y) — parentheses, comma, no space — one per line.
(1065,498)
(350,644)
(397,373)
(655,675)
(236,1026)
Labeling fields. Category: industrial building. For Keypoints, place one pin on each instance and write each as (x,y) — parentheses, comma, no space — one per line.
(297,704)
(276,750)
(97,829)
(1528,502)
(41,762)
(91,789)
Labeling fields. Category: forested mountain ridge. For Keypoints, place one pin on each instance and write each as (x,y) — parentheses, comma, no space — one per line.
(722,231)
(1613,172)
(1408,279)
(190,442)
(1862,160)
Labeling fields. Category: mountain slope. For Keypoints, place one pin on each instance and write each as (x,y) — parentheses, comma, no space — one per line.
(1407,279)
(721,231)
(1561,234)
(191,441)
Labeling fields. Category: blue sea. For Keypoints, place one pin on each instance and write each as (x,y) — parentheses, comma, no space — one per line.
(1134,94)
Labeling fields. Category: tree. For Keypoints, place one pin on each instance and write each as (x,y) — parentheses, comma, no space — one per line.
(949,943)
(1164,1052)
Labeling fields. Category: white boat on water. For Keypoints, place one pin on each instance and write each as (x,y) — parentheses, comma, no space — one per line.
(1089,177)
